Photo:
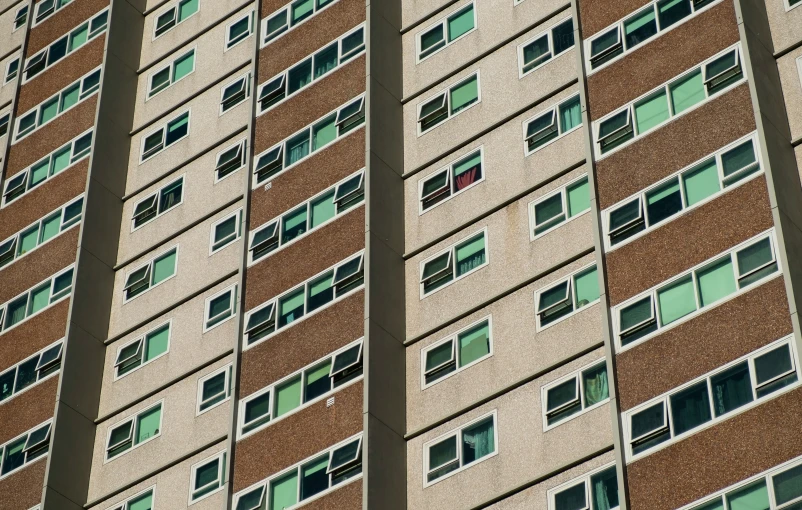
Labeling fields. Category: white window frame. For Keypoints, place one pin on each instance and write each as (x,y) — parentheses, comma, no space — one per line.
(124,504)
(444,23)
(58,343)
(555,112)
(49,280)
(563,191)
(57,6)
(552,493)
(665,88)
(17,16)
(450,169)
(550,37)
(577,376)
(228,389)
(163,129)
(133,418)
(458,433)
(243,147)
(234,308)
(27,433)
(174,7)
(228,45)
(665,398)
(237,231)
(286,8)
(143,339)
(620,25)
(571,290)
(454,337)
(150,272)
(278,220)
(641,195)
(171,66)
(247,85)
(788,7)
(8,78)
(446,93)
(453,261)
(220,457)
(157,196)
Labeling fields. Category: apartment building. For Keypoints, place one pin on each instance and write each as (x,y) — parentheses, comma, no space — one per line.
(413,254)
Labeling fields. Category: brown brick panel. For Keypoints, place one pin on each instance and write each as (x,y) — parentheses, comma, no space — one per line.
(703,344)
(60,23)
(345,498)
(660,60)
(45,198)
(23,489)
(310,104)
(320,250)
(597,15)
(307,37)
(53,135)
(311,176)
(33,335)
(298,436)
(689,240)
(674,146)
(42,263)
(66,71)
(715,458)
(291,350)
(27,410)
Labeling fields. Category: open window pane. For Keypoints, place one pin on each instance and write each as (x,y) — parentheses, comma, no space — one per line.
(443,458)
(649,427)
(637,320)
(549,213)
(606,47)
(615,130)
(562,401)
(439,361)
(676,301)
(755,262)
(220,309)
(541,130)
(435,189)
(723,71)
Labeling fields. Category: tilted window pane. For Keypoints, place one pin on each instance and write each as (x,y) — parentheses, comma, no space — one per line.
(442,457)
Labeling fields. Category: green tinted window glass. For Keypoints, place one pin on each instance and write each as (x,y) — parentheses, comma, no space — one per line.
(164,267)
(187,9)
(39,172)
(70,97)
(147,424)
(470,255)
(78,38)
(157,342)
(315,479)
(322,209)
(715,505)
(318,289)
(301,10)
(467,164)
(49,110)
(50,227)
(587,287)
(323,133)
(716,281)
(464,95)
(578,197)
(461,23)
(291,307)
(317,382)
(753,497)
(61,160)
(701,183)
(293,224)
(183,66)
(474,344)
(651,112)
(570,114)
(676,300)
(284,491)
(788,485)
(432,38)
(687,91)
(28,240)
(143,502)
(288,396)
(39,299)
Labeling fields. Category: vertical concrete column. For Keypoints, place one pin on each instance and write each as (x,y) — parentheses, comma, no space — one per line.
(601,263)
(384,448)
(72,440)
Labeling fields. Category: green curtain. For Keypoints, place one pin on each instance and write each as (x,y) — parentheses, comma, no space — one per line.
(143,502)
(464,95)
(596,385)
(186,9)
(164,267)
(470,254)
(604,487)
(78,38)
(147,424)
(570,114)
(293,224)
(687,91)
(478,441)
(61,160)
(578,198)
(651,112)
(301,10)
(587,287)
(69,98)
(715,505)
(676,300)
(716,281)
(183,66)
(788,485)
(701,182)
(474,344)
(322,209)
(753,497)
(39,171)
(48,111)
(460,24)
(50,227)
(28,240)
(284,491)
(291,307)
(39,299)
(323,133)
(288,396)
(157,342)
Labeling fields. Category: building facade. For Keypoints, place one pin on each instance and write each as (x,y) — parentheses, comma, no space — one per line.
(413,254)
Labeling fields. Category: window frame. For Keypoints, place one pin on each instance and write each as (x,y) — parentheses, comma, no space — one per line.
(247,86)
(143,339)
(228,44)
(454,338)
(484,231)
(238,214)
(288,28)
(57,6)
(443,22)
(125,504)
(58,343)
(7,79)
(555,112)
(175,7)
(25,463)
(156,197)
(220,458)
(577,375)
(143,158)
(50,280)
(585,479)
(458,431)
(233,308)
(150,263)
(563,192)
(446,95)
(133,418)
(549,33)
(20,18)
(570,292)
(450,169)
(184,53)
(227,390)
(243,158)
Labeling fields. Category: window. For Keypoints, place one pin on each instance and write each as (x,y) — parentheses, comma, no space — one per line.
(36,299)
(28,372)
(69,43)
(304,218)
(692,292)
(447,182)
(441,269)
(132,432)
(574,394)
(225,231)
(171,73)
(567,297)
(47,8)
(230,160)
(311,69)
(316,293)
(24,449)
(300,389)
(45,229)
(687,188)
(174,15)
(142,501)
(460,448)
(235,93)
(325,472)
(151,274)
(175,130)
(467,347)
(551,125)
(711,398)
(154,344)
(21,18)
(239,30)
(446,31)
(57,105)
(457,98)
(792,3)
(12,69)
(207,477)
(637,29)
(310,140)
(214,389)
(156,204)
(220,307)
(558,207)
(54,163)
(546,46)
(696,86)
(290,16)
(597,490)
(4,120)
